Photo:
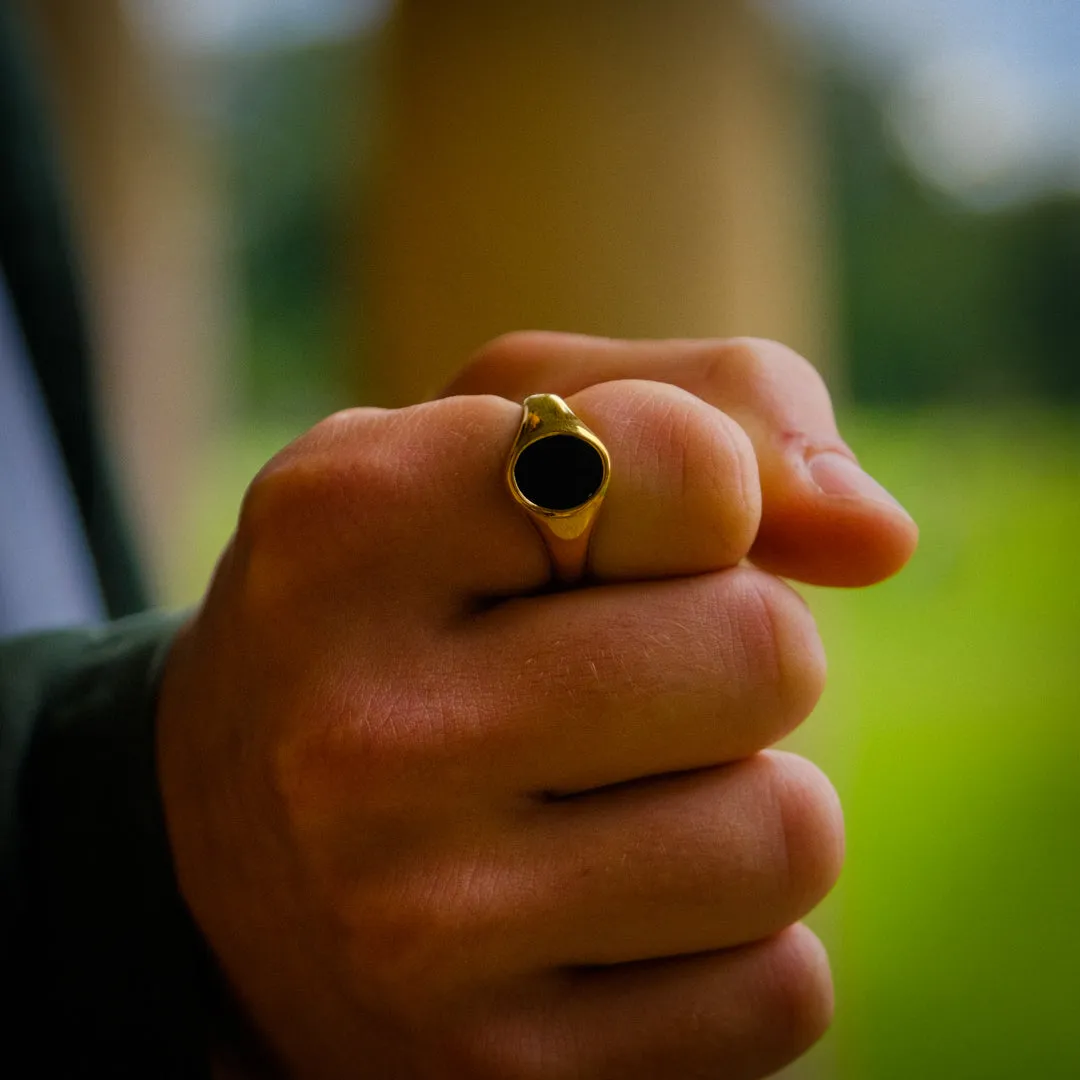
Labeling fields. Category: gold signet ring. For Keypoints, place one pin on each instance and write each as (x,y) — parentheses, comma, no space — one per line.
(558,471)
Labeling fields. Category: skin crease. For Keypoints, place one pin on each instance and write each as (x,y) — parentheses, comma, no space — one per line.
(438,821)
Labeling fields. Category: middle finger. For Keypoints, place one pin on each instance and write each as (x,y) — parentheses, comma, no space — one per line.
(684,495)
(613,683)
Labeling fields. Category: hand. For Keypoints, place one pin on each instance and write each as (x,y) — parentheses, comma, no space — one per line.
(435,823)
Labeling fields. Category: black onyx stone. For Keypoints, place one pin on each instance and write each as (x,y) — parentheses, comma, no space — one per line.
(559,472)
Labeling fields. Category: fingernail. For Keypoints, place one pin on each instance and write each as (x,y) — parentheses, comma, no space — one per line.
(836,474)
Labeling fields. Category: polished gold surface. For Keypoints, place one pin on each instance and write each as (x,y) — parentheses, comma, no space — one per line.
(566,530)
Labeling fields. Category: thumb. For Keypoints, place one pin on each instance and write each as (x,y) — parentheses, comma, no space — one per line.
(824,520)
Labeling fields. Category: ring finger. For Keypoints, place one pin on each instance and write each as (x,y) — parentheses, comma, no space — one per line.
(686,864)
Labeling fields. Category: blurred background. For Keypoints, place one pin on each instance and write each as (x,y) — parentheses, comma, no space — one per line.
(287,207)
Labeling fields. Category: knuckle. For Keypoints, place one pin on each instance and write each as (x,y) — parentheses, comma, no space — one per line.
(719,476)
(362,744)
(769,385)
(800,992)
(266,539)
(435,926)
(511,346)
(735,362)
(425,428)
(811,828)
(336,465)
(321,772)
(745,613)
(268,503)
(498,357)
(783,645)
(761,360)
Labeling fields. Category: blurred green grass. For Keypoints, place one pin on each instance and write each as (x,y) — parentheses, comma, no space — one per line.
(950,729)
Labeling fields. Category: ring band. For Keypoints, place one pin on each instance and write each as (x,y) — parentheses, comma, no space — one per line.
(558,471)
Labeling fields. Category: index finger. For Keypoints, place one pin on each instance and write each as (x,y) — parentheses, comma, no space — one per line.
(824,521)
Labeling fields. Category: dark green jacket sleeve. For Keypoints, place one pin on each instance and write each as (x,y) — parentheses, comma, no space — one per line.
(104,969)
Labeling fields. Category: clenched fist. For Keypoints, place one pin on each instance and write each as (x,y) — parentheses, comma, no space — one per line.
(436,820)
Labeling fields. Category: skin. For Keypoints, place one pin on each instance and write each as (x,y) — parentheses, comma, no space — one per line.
(438,821)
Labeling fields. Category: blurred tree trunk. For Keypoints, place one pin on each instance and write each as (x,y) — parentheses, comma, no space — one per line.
(646,169)
(146,217)
(642,170)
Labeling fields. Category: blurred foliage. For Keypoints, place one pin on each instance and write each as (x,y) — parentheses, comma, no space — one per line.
(942,302)
(295,126)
